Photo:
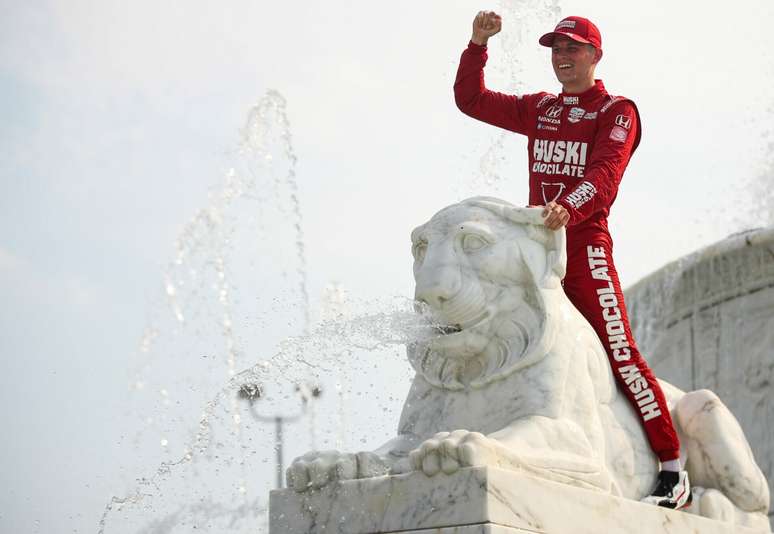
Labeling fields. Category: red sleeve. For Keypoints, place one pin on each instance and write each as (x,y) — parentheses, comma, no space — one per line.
(615,141)
(474,99)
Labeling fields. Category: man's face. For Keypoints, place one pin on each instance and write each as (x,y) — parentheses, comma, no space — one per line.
(572,61)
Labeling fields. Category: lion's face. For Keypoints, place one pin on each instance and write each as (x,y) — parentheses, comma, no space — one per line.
(475,275)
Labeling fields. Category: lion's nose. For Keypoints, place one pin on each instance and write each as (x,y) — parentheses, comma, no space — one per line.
(438,276)
(436,287)
(422,304)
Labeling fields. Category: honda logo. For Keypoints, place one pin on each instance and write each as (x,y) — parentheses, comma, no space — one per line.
(554,112)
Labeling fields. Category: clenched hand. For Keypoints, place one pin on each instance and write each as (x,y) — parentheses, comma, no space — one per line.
(485,25)
(555,216)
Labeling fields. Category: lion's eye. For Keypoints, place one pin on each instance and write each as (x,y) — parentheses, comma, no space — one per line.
(473,242)
(418,250)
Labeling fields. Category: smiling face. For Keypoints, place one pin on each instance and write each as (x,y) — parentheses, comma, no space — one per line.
(574,63)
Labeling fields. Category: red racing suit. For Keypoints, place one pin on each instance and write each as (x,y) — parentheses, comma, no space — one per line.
(579,146)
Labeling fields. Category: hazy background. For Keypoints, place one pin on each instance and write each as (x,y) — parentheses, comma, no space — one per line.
(118,119)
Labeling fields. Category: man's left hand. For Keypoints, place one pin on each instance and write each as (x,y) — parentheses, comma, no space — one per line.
(555,216)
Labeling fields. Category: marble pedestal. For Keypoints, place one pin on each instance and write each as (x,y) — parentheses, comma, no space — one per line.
(474,501)
(707,321)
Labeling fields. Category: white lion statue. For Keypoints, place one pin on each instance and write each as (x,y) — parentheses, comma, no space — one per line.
(516,378)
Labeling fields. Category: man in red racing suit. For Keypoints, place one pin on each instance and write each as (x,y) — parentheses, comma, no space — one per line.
(579,144)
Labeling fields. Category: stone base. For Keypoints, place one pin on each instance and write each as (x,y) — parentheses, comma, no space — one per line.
(485,528)
(707,321)
(479,500)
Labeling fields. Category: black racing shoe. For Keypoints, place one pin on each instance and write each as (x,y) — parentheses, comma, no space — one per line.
(673,490)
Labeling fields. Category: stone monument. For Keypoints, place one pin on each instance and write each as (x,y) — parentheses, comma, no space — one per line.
(513,422)
(707,321)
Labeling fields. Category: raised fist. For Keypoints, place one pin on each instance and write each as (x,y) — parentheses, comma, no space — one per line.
(485,25)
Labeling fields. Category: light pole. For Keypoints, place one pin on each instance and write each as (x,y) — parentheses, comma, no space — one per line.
(252,392)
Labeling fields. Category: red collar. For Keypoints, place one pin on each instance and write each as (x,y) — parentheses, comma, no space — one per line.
(590,94)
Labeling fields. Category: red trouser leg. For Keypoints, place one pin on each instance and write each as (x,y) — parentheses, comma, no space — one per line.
(592,286)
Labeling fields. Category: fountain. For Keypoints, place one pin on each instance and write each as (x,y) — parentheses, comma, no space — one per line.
(268,357)
(513,414)
(226,444)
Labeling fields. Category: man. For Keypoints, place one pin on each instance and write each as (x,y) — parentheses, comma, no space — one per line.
(579,144)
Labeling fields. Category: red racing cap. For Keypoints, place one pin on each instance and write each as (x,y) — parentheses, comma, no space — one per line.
(577,29)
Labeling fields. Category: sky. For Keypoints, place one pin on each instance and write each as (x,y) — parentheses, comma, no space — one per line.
(120,122)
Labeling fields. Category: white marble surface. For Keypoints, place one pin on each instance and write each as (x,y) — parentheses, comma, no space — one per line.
(487,528)
(511,376)
(475,500)
(707,321)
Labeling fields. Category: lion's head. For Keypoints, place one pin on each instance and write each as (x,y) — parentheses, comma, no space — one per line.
(481,267)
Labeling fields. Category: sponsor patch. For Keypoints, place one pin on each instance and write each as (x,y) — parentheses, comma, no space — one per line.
(612,101)
(590,115)
(567,158)
(618,134)
(565,24)
(571,100)
(576,114)
(554,112)
(545,99)
(572,152)
(582,194)
(542,126)
(624,121)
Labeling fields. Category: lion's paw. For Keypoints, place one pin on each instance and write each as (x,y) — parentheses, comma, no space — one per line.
(450,451)
(316,469)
